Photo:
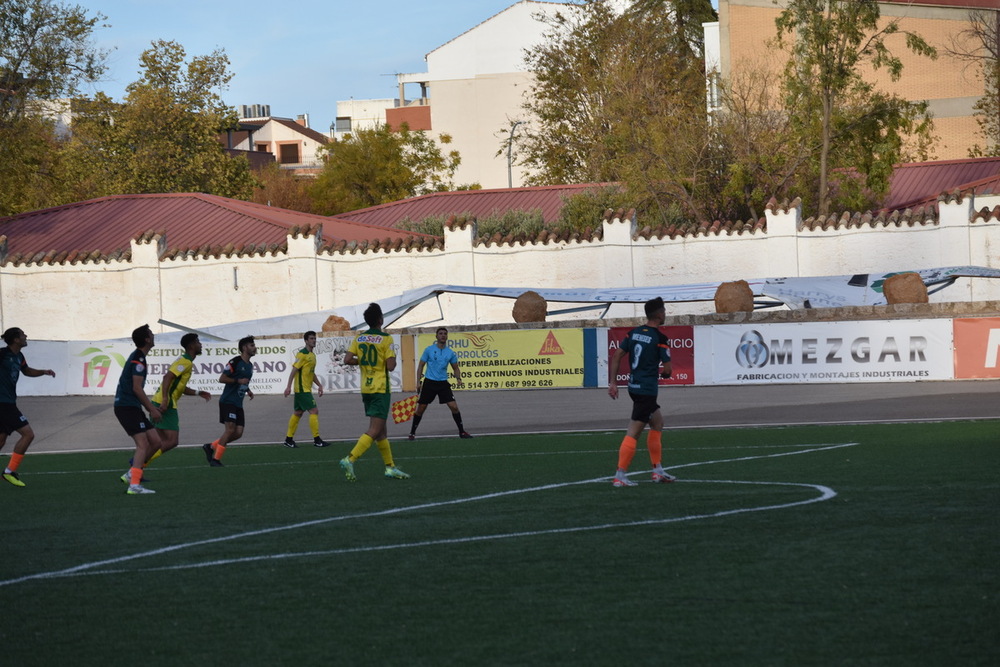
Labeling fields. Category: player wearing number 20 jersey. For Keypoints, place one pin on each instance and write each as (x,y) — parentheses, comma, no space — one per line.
(372,353)
(373,348)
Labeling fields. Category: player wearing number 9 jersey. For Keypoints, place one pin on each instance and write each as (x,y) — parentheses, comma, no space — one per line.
(372,353)
(647,349)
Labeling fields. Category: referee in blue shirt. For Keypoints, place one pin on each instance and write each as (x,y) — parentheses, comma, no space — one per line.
(436,359)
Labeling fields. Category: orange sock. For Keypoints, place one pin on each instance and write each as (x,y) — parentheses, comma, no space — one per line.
(135,475)
(15,461)
(219,450)
(655,446)
(625,452)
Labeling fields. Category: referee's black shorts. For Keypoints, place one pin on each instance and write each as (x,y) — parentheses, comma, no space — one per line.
(431,388)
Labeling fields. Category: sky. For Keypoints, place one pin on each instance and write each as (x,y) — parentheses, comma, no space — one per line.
(299,57)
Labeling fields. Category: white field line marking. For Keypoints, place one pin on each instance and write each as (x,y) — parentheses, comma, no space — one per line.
(418,457)
(91,568)
(826,493)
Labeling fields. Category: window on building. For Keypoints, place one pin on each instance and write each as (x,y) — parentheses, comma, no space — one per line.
(263,148)
(289,154)
(343,124)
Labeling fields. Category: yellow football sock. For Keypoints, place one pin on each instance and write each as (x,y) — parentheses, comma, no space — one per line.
(293,425)
(386,451)
(364,442)
(158,453)
(625,452)
(314,424)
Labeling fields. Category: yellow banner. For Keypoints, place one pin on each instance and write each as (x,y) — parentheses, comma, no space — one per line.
(516,359)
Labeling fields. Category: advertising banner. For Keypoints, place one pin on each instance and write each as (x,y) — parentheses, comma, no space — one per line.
(516,359)
(681,340)
(977,348)
(93,368)
(331,370)
(837,352)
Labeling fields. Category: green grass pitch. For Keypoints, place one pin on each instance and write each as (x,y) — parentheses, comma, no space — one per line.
(848,545)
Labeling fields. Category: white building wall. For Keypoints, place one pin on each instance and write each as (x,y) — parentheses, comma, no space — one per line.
(477,84)
(478,114)
(107,299)
(364,114)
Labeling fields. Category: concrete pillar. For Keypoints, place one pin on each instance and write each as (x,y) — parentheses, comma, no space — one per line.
(460,269)
(303,266)
(782,238)
(144,276)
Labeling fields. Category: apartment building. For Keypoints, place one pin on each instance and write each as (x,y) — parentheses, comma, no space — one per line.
(741,39)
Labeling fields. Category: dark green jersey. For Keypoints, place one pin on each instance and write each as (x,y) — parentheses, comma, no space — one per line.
(135,365)
(647,348)
(233,392)
(11,364)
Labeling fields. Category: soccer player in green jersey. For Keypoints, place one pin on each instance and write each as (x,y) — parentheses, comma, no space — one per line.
(372,353)
(12,365)
(174,385)
(647,348)
(302,378)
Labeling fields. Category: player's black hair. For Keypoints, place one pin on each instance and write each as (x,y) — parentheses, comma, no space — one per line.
(654,306)
(373,315)
(141,335)
(188,339)
(247,340)
(12,334)
(440,329)
(307,334)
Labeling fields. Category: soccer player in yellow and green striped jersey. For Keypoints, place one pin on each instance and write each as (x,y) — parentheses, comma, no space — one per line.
(372,353)
(174,385)
(301,379)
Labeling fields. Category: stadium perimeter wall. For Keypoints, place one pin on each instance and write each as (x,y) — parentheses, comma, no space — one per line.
(105,298)
(928,342)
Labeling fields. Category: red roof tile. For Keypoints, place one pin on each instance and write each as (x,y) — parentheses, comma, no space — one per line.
(918,183)
(189,220)
(478,203)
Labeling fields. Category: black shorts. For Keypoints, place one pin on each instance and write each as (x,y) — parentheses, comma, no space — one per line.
(231,413)
(643,407)
(11,418)
(133,419)
(431,388)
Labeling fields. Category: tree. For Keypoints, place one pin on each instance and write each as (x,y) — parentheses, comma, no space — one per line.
(278,187)
(45,53)
(753,128)
(845,120)
(164,136)
(620,97)
(378,165)
(979,45)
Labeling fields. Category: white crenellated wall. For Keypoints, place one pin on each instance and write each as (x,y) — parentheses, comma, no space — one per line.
(107,298)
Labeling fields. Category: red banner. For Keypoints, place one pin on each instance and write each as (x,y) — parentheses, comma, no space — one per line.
(681,354)
(977,347)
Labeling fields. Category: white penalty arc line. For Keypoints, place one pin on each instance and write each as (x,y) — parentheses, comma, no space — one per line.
(99,567)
